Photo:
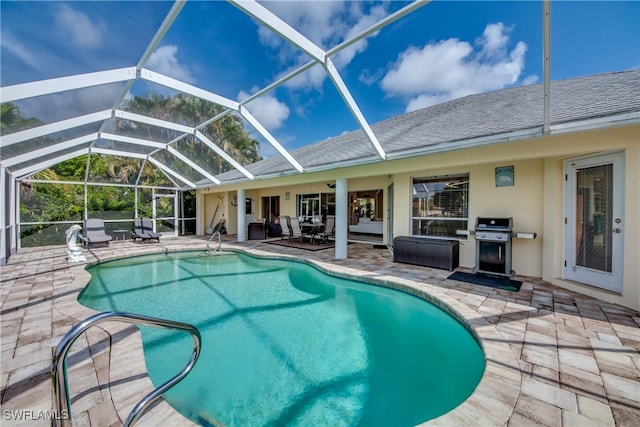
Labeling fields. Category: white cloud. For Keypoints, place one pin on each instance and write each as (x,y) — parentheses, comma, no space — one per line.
(375,15)
(311,79)
(165,61)
(16,48)
(267,109)
(452,68)
(325,23)
(319,21)
(82,32)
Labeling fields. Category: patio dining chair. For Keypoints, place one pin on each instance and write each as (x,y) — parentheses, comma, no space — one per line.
(329,226)
(285,223)
(295,232)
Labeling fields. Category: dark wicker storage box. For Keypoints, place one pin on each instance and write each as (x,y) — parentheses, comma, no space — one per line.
(426,252)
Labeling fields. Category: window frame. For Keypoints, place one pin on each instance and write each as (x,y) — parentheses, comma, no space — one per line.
(306,209)
(460,178)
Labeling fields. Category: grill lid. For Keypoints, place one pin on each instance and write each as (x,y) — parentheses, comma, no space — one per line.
(495,224)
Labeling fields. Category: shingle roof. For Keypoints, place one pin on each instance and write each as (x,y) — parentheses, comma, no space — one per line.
(469,118)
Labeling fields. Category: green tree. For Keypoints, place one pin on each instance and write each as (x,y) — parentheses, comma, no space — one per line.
(11,119)
(55,202)
(228,132)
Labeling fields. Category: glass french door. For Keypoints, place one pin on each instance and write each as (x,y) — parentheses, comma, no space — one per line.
(594,220)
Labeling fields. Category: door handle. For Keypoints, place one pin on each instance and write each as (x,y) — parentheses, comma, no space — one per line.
(617,230)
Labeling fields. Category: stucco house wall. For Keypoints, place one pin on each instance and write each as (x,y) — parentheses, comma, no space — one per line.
(535,201)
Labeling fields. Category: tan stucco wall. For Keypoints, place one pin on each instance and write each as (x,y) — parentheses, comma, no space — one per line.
(626,140)
(522,202)
(535,201)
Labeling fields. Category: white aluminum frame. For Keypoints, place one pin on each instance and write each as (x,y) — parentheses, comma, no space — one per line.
(130,74)
(62,125)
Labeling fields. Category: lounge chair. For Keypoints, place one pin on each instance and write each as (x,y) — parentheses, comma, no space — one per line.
(94,232)
(143,230)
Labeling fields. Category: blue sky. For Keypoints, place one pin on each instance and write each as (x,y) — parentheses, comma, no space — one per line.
(444,50)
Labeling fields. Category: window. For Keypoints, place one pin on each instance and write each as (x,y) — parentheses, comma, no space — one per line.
(309,205)
(440,206)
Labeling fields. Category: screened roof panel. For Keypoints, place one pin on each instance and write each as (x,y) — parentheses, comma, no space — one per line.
(202,156)
(227,37)
(63,106)
(24,148)
(129,129)
(37,160)
(57,39)
(183,169)
(152,176)
(51,141)
(111,169)
(323,117)
(125,147)
(147,98)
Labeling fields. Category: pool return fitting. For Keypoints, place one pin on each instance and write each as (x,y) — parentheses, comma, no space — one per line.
(59,372)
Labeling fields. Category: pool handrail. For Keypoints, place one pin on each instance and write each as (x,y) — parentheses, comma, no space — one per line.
(59,374)
(217,233)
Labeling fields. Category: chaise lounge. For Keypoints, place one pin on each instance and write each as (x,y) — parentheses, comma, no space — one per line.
(94,232)
(143,230)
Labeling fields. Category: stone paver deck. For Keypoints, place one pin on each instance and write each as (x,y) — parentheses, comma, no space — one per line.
(554,357)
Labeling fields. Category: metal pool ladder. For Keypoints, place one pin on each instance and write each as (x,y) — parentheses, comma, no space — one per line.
(59,372)
(213,236)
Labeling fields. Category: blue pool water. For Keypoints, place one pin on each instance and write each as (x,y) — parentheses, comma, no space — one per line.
(286,344)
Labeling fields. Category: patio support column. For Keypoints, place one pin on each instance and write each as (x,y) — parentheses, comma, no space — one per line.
(14,196)
(3,227)
(242,218)
(342,220)
(199,212)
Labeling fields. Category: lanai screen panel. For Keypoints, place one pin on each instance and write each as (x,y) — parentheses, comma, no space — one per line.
(34,166)
(113,169)
(178,166)
(43,219)
(48,143)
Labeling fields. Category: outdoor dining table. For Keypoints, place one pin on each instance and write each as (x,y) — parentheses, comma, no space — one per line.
(313,227)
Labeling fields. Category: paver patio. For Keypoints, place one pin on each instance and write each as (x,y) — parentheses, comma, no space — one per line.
(554,357)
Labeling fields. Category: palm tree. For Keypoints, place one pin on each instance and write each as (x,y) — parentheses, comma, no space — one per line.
(228,133)
(11,120)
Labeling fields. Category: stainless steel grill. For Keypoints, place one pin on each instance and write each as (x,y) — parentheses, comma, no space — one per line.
(493,245)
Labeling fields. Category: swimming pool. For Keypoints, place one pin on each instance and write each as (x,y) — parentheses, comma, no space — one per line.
(286,344)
